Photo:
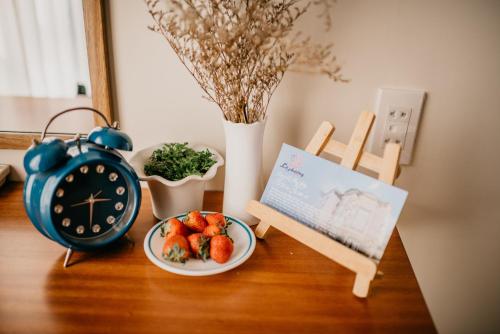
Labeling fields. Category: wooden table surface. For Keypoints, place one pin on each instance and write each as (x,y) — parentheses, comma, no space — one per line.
(283,287)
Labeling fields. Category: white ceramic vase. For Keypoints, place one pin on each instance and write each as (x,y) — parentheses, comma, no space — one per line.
(170,198)
(243,175)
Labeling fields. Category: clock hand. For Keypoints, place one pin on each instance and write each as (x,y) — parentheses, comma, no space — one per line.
(86,201)
(91,209)
(101,199)
(91,200)
(81,203)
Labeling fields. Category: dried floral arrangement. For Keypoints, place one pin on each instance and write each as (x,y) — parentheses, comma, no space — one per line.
(239,50)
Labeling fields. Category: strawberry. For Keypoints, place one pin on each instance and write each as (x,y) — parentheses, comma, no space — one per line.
(195,221)
(216,219)
(176,249)
(199,245)
(173,226)
(221,248)
(212,230)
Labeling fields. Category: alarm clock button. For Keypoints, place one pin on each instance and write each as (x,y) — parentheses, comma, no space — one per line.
(45,155)
(110,137)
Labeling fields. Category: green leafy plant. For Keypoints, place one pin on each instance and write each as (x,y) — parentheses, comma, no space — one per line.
(176,161)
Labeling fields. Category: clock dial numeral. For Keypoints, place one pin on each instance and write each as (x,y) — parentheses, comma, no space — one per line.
(66,222)
(58,208)
(60,192)
(110,220)
(80,229)
(90,201)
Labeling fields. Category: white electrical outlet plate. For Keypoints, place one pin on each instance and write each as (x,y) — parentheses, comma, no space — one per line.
(398,115)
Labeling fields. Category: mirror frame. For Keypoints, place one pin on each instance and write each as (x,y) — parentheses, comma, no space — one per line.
(97,38)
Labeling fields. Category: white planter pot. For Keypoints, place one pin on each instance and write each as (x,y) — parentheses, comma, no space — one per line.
(243,179)
(171,198)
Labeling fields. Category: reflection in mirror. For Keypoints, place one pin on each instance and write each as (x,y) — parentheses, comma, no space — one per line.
(43,65)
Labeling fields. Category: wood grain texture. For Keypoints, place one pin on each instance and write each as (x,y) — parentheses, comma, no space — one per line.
(367,160)
(94,13)
(354,148)
(320,138)
(321,243)
(390,163)
(283,287)
(22,141)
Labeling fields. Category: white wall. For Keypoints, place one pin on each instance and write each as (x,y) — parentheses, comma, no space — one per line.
(450,225)
(449,48)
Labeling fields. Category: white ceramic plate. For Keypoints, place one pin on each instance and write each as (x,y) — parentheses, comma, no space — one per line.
(244,245)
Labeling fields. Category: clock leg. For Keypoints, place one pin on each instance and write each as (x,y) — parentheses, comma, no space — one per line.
(129,239)
(68,257)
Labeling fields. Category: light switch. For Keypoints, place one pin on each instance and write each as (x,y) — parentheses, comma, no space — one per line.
(398,115)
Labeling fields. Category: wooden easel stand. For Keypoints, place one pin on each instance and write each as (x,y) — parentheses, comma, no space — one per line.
(352,156)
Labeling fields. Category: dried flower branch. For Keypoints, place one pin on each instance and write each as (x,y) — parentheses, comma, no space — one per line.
(239,50)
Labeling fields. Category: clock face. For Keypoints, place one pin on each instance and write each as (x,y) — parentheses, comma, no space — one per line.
(90,201)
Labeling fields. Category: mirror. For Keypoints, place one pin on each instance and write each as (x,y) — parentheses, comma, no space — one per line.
(53,56)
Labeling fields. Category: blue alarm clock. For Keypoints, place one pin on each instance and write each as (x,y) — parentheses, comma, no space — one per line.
(81,193)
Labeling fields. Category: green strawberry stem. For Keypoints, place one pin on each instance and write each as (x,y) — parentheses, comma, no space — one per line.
(175,254)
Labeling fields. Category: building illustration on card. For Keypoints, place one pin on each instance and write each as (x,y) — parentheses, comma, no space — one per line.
(350,207)
(353,218)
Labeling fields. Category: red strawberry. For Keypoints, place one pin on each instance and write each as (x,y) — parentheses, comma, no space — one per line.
(212,230)
(173,226)
(176,249)
(195,221)
(199,245)
(221,248)
(216,219)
